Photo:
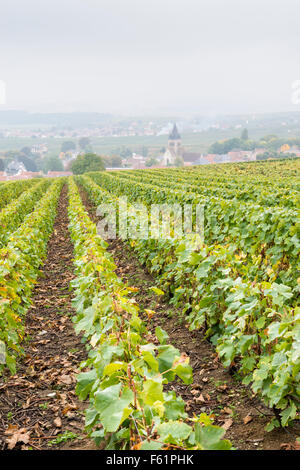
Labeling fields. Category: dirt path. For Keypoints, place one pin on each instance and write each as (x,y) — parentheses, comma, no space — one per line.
(214,390)
(38,405)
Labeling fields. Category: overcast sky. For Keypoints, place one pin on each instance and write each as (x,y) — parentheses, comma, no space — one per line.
(150,56)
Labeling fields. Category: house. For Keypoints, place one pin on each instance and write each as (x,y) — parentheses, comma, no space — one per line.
(31,174)
(219,158)
(23,175)
(259,151)
(58,174)
(15,168)
(136,162)
(293,150)
(191,158)
(40,148)
(209,158)
(241,156)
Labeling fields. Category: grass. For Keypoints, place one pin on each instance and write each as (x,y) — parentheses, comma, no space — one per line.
(74,350)
(64,437)
(44,406)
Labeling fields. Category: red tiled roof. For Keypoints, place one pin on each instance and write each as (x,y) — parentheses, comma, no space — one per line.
(191,156)
(210,158)
(55,174)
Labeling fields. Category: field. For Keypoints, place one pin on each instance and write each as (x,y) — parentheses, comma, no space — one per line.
(192,141)
(142,342)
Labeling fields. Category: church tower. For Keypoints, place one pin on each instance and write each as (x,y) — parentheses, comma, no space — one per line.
(174,148)
(174,141)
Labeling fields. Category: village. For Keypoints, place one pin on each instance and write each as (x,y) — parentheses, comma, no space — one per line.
(174,154)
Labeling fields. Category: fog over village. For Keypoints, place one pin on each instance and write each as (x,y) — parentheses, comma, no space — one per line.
(138,68)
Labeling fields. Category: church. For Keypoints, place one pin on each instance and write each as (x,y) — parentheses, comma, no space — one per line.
(175,153)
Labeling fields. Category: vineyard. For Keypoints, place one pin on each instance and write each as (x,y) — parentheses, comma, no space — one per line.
(144,343)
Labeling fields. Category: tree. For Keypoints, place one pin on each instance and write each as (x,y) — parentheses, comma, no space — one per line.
(87,162)
(269,137)
(151,161)
(143,151)
(115,161)
(52,164)
(125,152)
(68,145)
(29,164)
(244,134)
(1,164)
(26,151)
(84,142)
(178,161)
(228,145)
(11,154)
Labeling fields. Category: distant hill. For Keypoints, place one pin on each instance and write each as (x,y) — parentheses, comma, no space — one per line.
(20,118)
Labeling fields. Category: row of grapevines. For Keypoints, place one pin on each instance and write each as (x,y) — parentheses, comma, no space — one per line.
(250,323)
(13,189)
(246,192)
(20,260)
(127,371)
(284,170)
(266,178)
(202,175)
(271,236)
(13,214)
(252,267)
